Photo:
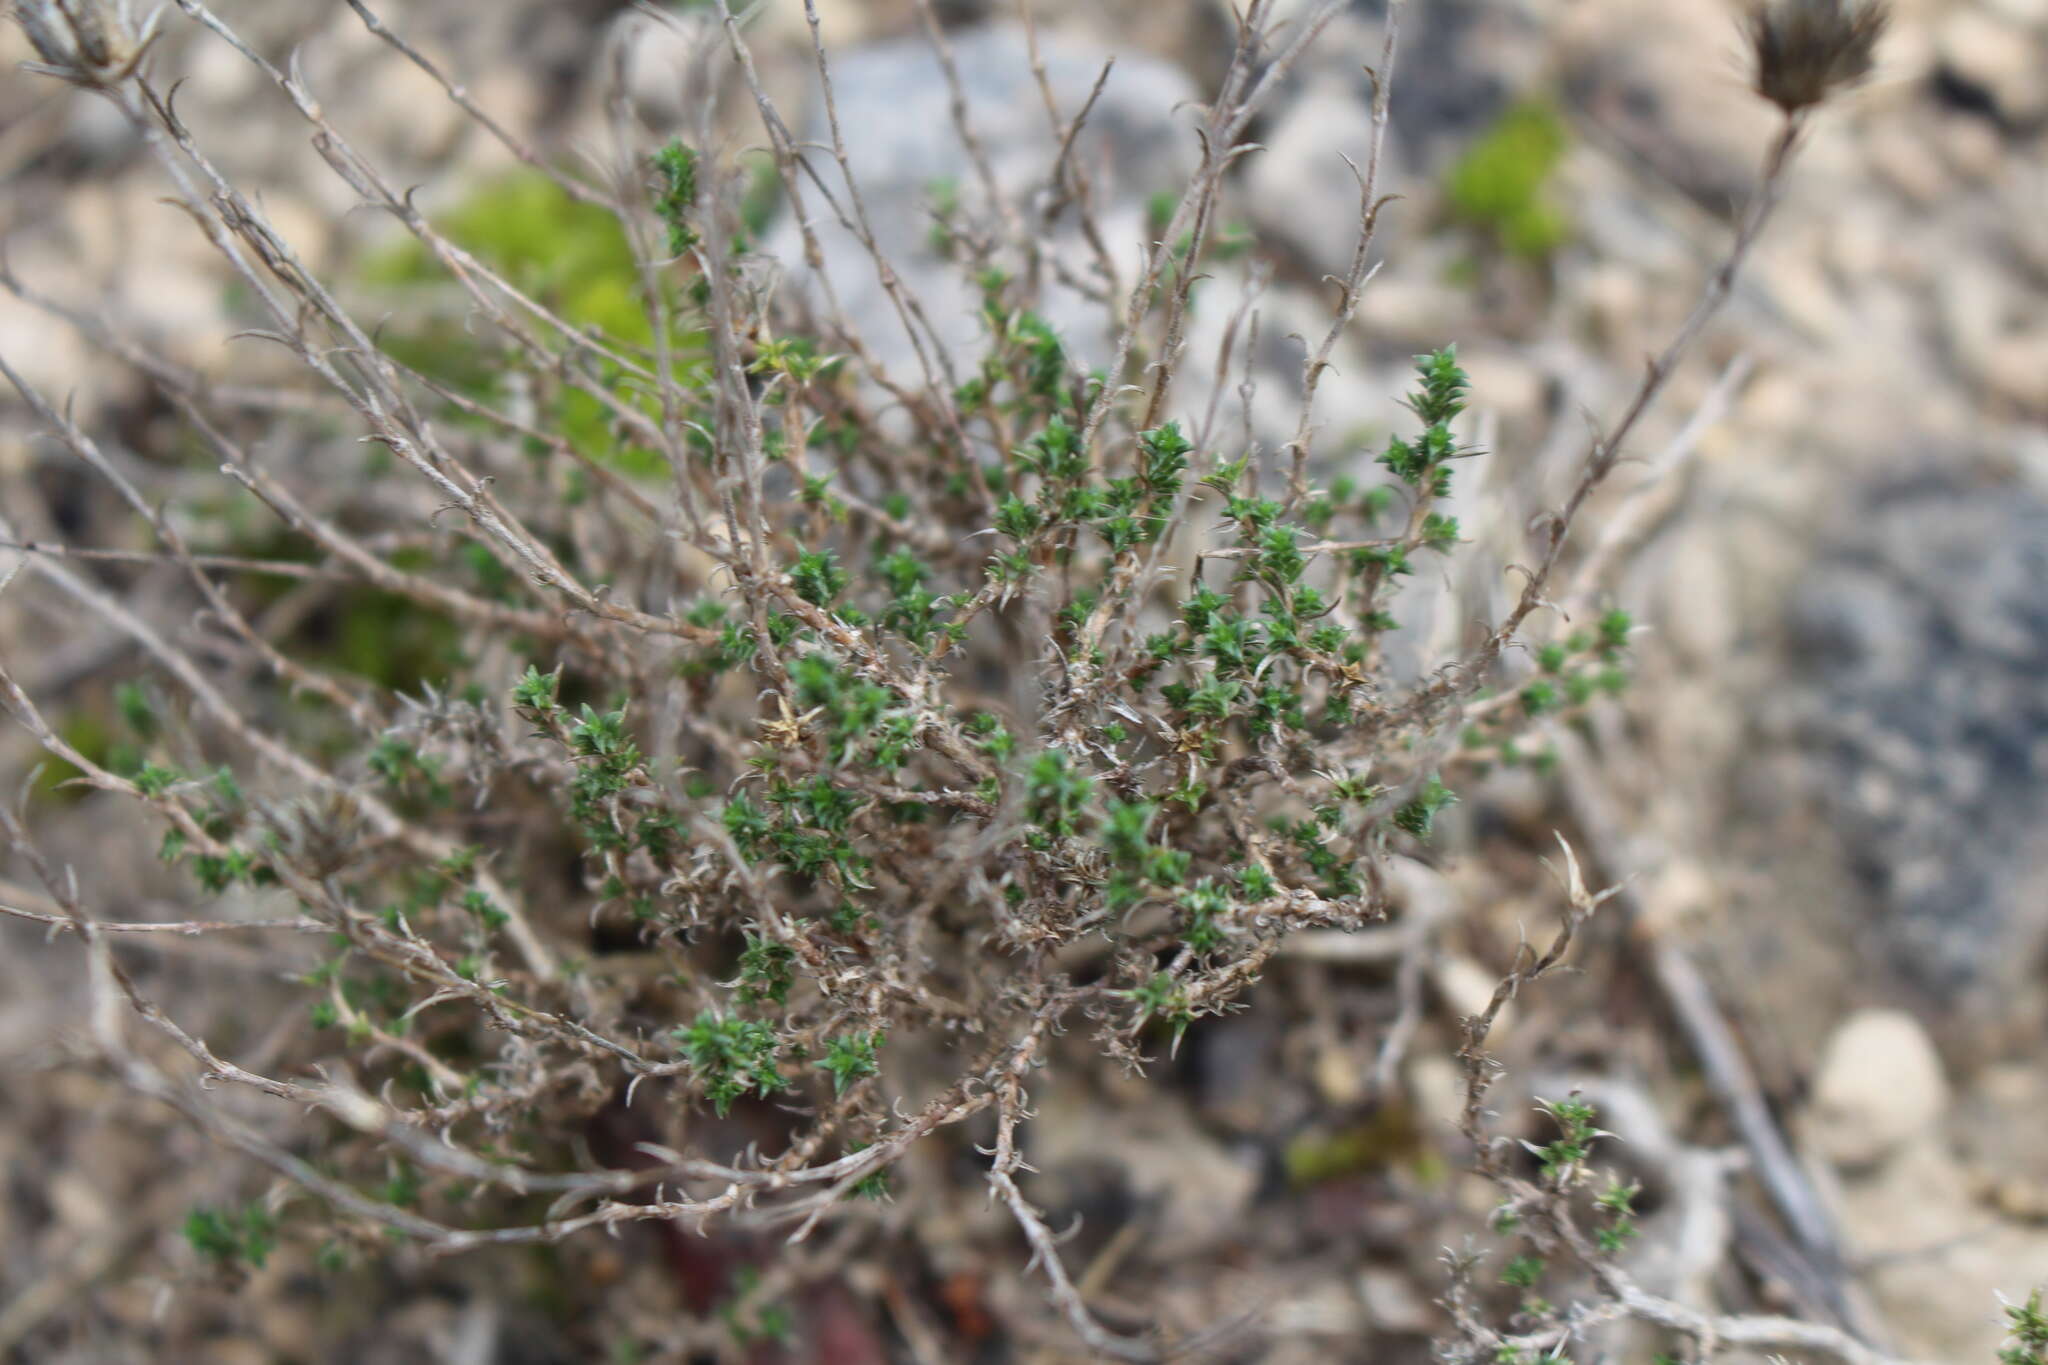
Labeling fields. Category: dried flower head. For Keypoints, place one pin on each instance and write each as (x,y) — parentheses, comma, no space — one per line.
(92,43)
(1808,49)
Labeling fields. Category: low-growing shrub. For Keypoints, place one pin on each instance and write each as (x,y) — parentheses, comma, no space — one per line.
(821,743)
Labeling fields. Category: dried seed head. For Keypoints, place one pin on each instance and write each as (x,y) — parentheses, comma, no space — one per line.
(1807,49)
(92,43)
(322,834)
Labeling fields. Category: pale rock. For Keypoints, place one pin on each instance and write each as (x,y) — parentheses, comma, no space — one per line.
(1775,400)
(1677,895)
(1505,382)
(1467,988)
(1880,1085)
(657,55)
(15,47)
(1206,1189)
(225,76)
(301,225)
(1991,332)
(514,102)
(1614,297)
(99,230)
(1302,191)
(1655,79)
(1792,277)
(2020,11)
(97,130)
(840,27)
(402,113)
(1416,304)
(1702,617)
(156,269)
(181,311)
(1325,1309)
(1997,1126)
(1973,300)
(1858,246)
(1523,796)
(1283,11)
(893,101)
(1304,1350)
(1392,1303)
(2030,12)
(1997,56)
(1974,151)
(1937,1264)
(2016,369)
(47,352)
(1351,399)
(1340,1075)
(1436,1084)
(1899,154)
(1161,1154)
(1909,49)
(237,1351)
(79,1202)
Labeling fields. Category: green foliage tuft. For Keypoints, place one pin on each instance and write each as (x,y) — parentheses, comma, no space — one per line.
(1500,185)
(232,1238)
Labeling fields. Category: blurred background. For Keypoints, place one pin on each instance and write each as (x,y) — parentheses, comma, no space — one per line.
(1826,783)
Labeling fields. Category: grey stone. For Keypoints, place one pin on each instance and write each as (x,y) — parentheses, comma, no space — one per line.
(1460,63)
(1922,639)
(1662,83)
(1991,65)
(1302,192)
(894,110)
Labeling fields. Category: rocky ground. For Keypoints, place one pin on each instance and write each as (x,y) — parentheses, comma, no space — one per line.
(1832,766)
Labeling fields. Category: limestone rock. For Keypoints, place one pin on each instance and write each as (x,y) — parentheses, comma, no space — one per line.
(1937,1268)
(1984,58)
(1920,641)
(895,112)
(1880,1086)
(1302,192)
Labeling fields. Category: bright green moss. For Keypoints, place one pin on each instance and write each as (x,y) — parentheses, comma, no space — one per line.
(570,256)
(573,255)
(86,730)
(1499,185)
